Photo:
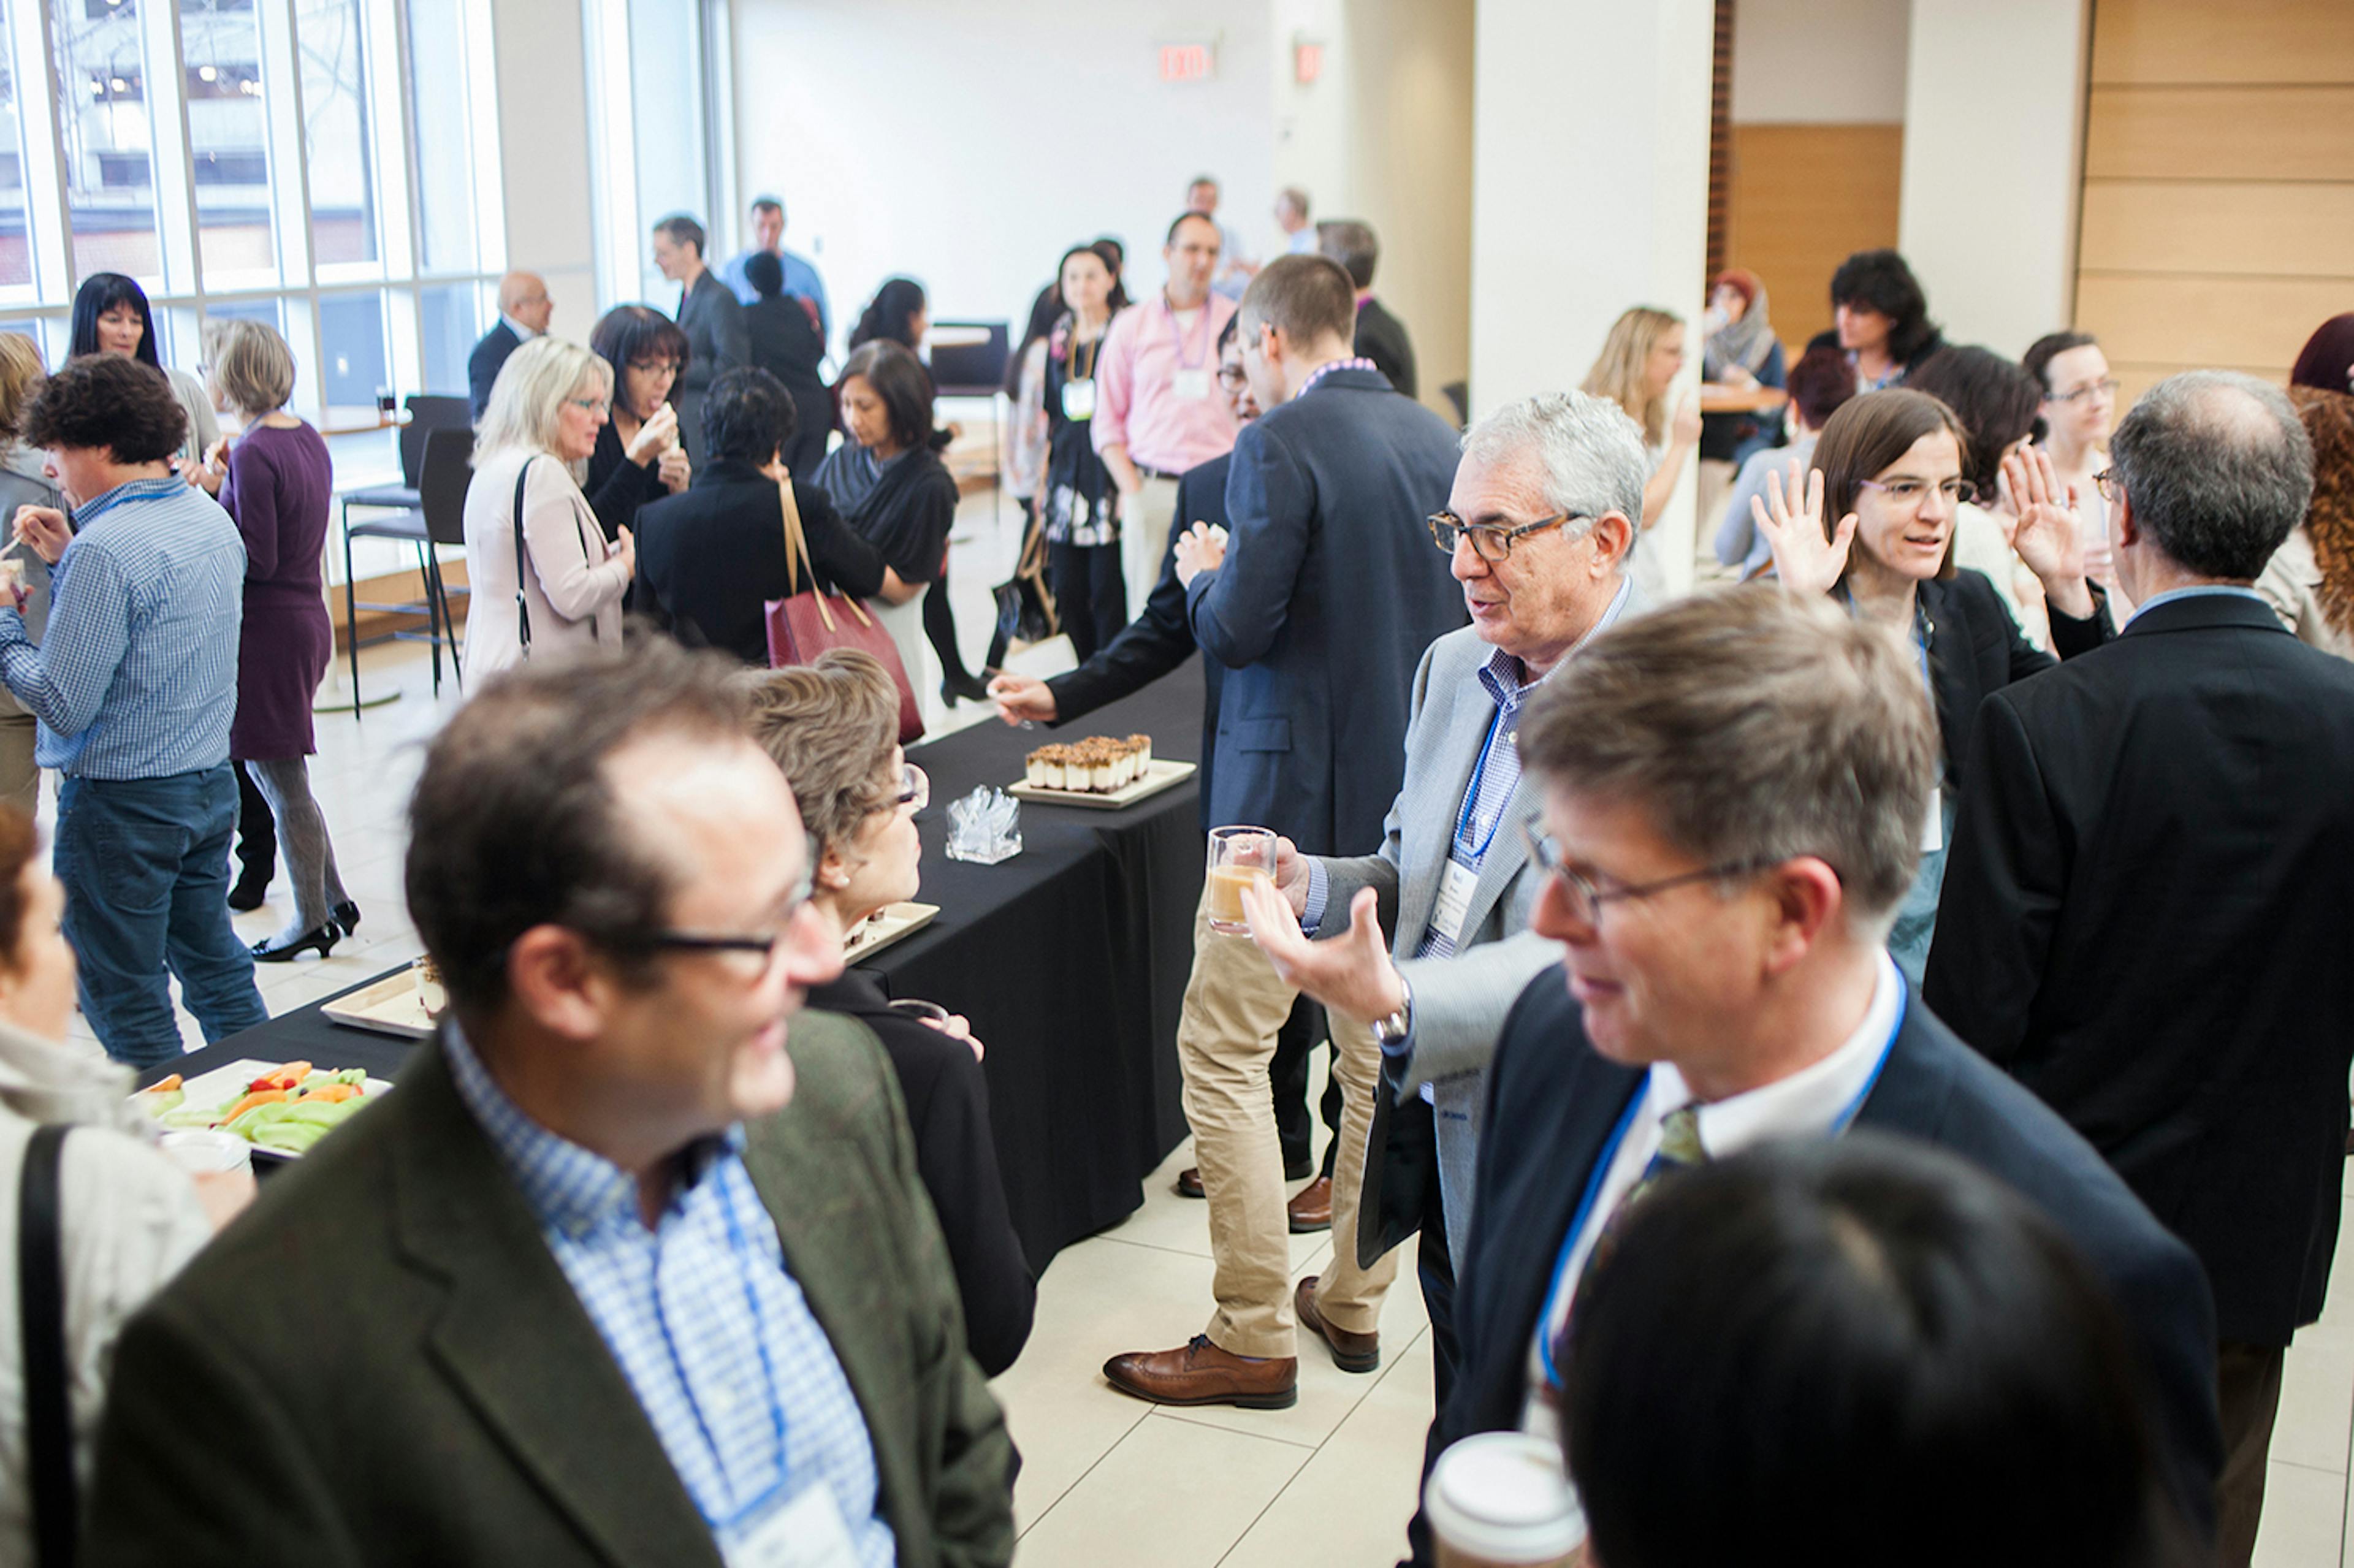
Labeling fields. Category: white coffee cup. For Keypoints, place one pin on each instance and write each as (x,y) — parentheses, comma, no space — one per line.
(1501,1499)
(221,1165)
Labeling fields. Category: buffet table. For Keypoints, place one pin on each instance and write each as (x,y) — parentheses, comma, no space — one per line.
(1070,959)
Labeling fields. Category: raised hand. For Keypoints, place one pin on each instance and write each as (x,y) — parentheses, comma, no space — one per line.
(1805,558)
(2048,537)
(1352,972)
(674,470)
(44,531)
(1684,430)
(656,436)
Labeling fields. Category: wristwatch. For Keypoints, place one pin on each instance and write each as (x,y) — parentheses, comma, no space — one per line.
(1390,1033)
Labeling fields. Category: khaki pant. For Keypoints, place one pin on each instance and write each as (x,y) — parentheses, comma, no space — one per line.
(1144,537)
(1225,1038)
(20,781)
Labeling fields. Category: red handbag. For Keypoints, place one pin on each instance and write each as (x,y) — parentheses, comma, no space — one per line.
(807,624)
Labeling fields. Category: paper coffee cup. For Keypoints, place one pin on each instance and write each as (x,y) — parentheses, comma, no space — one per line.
(1501,1499)
(201,1151)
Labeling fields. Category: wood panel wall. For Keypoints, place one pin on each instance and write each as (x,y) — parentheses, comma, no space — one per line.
(2218,220)
(1804,198)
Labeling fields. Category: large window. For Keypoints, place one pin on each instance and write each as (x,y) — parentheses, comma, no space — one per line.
(329,166)
(651,110)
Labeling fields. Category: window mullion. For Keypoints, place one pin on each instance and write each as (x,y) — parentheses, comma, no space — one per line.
(49,214)
(171,174)
(289,171)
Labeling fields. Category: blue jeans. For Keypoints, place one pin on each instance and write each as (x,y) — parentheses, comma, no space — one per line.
(145,867)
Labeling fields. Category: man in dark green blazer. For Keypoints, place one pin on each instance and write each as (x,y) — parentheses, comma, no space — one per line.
(522,1311)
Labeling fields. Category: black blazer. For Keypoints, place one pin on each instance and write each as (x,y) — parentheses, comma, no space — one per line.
(1829,338)
(1159,639)
(2145,921)
(948,1107)
(483,366)
(1975,647)
(710,560)
(1552,1102)
(1332,590)
(1382,338)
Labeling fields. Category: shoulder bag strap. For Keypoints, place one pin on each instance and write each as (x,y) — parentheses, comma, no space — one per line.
(796,546)
(41,1304)
(523,606)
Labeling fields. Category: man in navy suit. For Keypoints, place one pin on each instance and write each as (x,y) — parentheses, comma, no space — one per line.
(524,312)
(1320,604)
(1733,790)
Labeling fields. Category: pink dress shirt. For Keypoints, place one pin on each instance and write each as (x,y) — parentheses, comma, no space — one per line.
(1136,403)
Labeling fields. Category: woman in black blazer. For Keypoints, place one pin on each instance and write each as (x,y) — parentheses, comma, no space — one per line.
(1889,465)
(833,726)
(639,458)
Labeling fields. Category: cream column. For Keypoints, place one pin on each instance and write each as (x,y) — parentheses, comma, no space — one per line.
(1589,194)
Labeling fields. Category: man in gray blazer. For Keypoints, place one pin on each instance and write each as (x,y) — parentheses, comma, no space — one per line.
(1538,527)
(718,339)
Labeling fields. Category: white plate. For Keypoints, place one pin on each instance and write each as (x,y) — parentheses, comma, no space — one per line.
(888,924)
(226,1082)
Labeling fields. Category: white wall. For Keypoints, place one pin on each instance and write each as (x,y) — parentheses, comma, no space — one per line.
(1992,154)
(1818,62)
(542,127)
(966,146)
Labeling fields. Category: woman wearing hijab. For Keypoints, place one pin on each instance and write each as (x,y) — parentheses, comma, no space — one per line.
(1739,349)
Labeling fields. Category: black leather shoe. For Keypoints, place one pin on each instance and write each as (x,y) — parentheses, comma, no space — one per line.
(346,914)
(274,952)
(245,895)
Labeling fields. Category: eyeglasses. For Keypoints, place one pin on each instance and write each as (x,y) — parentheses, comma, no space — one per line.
(2108,482)
(771,949)
(1910,492)
(1491,541)
(592,405)
(1586,898)
(2105,390)
(656,366)
(1232,377)
(915,788)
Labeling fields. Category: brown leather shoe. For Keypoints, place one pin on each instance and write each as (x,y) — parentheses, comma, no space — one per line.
(1310,1208)
(1189,1182)
(1351,1352)
(1198,1373)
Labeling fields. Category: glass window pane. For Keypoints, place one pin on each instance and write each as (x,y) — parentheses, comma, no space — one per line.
(450,320)
(110,188)
(220,48)
(352,358)
(666,89)
(445,151)
(329,38)
(15,241)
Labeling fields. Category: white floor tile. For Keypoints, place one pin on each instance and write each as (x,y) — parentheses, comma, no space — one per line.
(2304,1522)
(1170,1495)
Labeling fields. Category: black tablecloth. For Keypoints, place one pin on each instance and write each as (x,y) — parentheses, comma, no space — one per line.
(1070,959)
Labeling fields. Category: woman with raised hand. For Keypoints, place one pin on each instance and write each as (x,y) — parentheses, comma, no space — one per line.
(639,456)
(110,316)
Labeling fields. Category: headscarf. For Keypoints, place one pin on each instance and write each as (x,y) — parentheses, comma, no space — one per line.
(1745,342)
(2327,362)
(2329,519)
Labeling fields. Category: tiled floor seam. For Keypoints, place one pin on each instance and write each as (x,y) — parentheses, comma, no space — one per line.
(1079,1479)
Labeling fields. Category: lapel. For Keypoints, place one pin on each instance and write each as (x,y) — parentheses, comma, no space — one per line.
(1428,834)
(1953,659)
(515,1341)
(1913,1088)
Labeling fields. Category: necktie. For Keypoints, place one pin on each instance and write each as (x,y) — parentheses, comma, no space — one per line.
(1679,1149)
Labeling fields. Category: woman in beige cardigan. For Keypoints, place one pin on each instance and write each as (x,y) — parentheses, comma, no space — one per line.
(532,445)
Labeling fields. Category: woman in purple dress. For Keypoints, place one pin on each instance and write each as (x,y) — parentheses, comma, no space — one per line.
(275,480)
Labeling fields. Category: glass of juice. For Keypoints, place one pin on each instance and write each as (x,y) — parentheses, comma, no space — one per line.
(1239,857)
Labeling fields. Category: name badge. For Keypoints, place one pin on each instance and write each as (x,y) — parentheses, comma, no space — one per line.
(1454,890)
(1193,386)
(1079,399)
(806,1533)
(1933,832)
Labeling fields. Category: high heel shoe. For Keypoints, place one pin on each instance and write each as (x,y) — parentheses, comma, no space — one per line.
(971,689)
(272,951)
(346,915)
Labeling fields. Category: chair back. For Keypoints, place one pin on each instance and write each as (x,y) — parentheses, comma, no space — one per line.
(441,490)
(439,413)
(969,358)
(412,453)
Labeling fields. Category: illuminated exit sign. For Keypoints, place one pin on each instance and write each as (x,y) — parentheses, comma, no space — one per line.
(1188,62)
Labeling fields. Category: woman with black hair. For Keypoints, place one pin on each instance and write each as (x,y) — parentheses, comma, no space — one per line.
(1811,1352)
(1882,318)
(1997,402)
(899,313)
(1078,502)
(788,344)
(110,316)
(639,454)
(888,481)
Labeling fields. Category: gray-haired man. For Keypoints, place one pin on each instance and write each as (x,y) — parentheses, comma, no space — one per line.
(1539,525)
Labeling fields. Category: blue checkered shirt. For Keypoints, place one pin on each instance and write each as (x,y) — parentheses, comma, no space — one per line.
(136,677)
(702,1314)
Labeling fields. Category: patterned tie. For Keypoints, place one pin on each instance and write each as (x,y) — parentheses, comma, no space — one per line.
(1679,1149)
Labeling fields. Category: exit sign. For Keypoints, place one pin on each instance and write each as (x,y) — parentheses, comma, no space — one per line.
(1187,62)
(1306,63)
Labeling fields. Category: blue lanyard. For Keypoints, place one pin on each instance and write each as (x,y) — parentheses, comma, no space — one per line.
(1610,1152)
(737,1249)
(1464,818)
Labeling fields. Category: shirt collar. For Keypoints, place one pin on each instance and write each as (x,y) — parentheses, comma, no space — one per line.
(568,1188)
(2196,591)
(1506,676)
(163,489)
(1810,1102)
(1321,371)
(516,327)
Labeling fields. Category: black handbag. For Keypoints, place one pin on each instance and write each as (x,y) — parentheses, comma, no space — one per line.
(523,610)
(1025,605)
(41,1307)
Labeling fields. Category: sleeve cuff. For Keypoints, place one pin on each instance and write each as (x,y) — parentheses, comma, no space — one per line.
(1320,892)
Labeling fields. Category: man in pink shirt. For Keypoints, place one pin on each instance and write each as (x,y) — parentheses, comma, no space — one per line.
(1158,412)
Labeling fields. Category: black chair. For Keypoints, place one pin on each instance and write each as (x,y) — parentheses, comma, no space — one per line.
(968,360)
(445,467)
(437,412)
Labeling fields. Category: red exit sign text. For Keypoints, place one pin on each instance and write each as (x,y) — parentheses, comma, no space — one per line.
(1186,62)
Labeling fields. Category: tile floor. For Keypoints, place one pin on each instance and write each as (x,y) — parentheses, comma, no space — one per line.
(1107,1480)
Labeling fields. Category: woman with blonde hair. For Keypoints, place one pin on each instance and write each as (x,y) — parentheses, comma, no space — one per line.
(1638,363)
(544,578)
(21,483)
(277,483)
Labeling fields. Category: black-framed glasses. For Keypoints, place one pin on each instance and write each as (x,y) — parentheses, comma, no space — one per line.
(2108,482)
(1910,492)
(656,366)
(1232,377)
(1491,541)
(770,948)
(2106,390)
(1586,897)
